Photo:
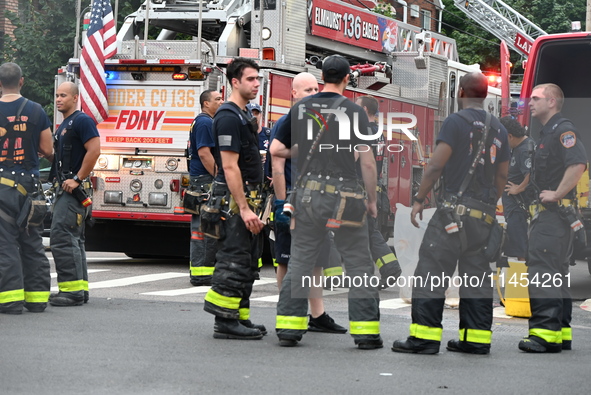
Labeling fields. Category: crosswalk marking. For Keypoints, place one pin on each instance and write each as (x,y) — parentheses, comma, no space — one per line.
(397,303)
(198,290)
(54,275)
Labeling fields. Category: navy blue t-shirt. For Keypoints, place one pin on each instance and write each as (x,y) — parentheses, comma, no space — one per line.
(519,167)
(37,120)
(264,139)
(287,170)
(83,129)
(201,136)
(457,132)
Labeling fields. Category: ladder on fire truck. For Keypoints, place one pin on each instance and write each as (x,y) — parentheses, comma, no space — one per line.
(504,22)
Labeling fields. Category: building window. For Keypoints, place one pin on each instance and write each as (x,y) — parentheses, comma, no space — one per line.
(426,19)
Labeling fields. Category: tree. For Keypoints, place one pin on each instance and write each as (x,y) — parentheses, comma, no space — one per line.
(476,45)
(43,41)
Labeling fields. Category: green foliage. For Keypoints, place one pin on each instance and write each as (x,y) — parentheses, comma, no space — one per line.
(476,45)
(43,41)
(385,9)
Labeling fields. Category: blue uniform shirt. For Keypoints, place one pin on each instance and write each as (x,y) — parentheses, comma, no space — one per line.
(201,136)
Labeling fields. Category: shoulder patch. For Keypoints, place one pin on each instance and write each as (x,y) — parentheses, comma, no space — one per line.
(493,154)
(568,139)
(225,140)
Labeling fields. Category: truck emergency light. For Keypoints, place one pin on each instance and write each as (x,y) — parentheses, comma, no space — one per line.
(195,73)
(179,76)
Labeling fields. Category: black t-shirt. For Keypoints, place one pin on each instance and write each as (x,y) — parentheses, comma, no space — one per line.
(519,167)
(559,147)
(232,132)
(335,154)
(457,132)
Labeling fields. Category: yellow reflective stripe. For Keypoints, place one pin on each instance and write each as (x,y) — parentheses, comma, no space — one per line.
(227,302)
(385,260)
(37,296)
(12,296)
(287,322)
(202,270)
(275,264)
(271,216)
(567,334)
(72,286)
(364,327)
(476,336)
(244,313)
(546,334)
(260,262)
(426,332)
(85,283)
(333,271)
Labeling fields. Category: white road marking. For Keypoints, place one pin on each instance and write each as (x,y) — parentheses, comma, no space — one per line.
(54,275)
(121,282)
(198,290)
(397,303)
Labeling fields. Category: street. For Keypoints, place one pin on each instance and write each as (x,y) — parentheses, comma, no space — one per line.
(144,331)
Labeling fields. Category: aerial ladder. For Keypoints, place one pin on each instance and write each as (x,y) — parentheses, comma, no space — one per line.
(504,22)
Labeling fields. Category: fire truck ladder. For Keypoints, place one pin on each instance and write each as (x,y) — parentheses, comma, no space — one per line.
(503,22)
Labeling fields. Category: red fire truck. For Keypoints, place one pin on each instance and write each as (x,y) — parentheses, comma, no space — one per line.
(154,86)
(561,59)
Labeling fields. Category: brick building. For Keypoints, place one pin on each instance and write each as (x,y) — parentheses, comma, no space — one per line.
(425,14)
(5,25)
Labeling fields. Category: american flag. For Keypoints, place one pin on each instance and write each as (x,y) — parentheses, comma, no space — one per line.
(100,45)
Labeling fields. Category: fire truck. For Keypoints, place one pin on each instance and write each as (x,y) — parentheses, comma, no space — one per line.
(154,87)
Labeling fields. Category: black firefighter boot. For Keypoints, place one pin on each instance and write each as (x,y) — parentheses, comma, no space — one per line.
(227,328)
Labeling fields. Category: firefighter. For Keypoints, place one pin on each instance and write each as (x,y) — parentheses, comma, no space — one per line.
(236,195)
(264,134)
(77,150)
(474,175)
(559,161)
(383,256)
(202,171)
(328,197)
(24,131)
(515,200)
(304,85)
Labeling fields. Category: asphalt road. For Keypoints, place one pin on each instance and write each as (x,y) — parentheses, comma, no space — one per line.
(144,331)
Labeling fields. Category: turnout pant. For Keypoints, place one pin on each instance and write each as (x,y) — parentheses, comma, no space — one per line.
(516,244)
(236,262)
(67,244)
(308,238)
(203,248)
(550,241)
(439,254)
(24,268)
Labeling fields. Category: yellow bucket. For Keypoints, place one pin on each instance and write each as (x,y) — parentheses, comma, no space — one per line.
(516,299)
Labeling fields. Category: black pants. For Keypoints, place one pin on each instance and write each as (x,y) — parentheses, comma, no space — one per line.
(439,254)
(236,262)
(550,241)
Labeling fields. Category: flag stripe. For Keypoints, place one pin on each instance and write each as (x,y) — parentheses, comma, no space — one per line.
(101,44)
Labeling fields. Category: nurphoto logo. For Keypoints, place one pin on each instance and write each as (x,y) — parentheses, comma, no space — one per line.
(318,113)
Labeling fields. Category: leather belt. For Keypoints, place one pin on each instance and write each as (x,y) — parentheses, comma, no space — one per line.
(474,213)
(12,184)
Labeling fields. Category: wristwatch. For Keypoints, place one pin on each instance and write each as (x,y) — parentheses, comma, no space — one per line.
(416,199)
(77,179)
